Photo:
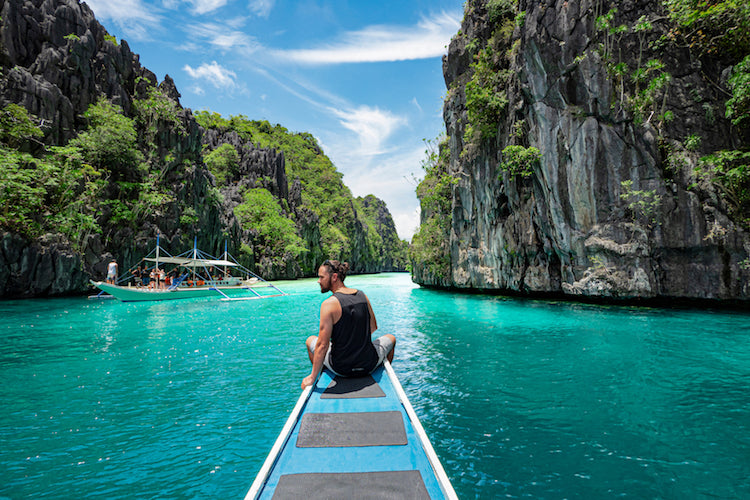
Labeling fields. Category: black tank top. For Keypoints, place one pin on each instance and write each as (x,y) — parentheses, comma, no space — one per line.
(352,352)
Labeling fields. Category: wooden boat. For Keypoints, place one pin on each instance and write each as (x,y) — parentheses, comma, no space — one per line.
(200,275)
(224,289)
(352,438)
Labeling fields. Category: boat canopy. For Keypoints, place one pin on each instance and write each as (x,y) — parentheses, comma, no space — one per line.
(209,262)
(186,262)
(169,260)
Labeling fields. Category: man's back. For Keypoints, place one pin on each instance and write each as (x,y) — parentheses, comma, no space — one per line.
(352,352)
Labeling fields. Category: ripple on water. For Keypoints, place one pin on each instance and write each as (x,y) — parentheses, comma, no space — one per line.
(519,398)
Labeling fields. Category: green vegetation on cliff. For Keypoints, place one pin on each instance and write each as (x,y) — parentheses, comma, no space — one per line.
(486,97)
(111,144)
(222,162)
(276,234)
(716,28)
(53,190)
(721,30)
(738,106)
(323,192)
(111,141)
(430,246)
(518,160)
(382,238)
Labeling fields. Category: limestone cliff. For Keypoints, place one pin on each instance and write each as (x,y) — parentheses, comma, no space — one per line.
(608,203)
(56,61)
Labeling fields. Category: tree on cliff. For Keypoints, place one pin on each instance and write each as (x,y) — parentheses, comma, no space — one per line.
(55,190)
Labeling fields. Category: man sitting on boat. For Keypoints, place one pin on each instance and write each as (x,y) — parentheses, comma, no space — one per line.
(344,343)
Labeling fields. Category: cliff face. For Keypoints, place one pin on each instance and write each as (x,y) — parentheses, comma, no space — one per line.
(264,168)
(56,61)
(613,208)
(393,253)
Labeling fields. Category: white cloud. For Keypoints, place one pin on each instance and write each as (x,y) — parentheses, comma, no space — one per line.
(214,74)
(205,6)
(416,104)
(372,126)
(407,223)
(389,176)
(262,8)
(383,43)
(221,37)
(390,181)
(236,22)
(135,18)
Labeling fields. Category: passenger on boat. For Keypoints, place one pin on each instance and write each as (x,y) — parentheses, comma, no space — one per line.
(145,278)
(137,277)
(112,272)
(347,321)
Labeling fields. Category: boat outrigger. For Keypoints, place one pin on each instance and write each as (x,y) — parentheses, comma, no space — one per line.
(193,274)
(352,438)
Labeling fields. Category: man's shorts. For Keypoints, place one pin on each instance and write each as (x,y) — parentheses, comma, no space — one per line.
(383,345)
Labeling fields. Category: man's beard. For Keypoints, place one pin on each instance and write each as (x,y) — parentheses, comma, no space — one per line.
(325,286)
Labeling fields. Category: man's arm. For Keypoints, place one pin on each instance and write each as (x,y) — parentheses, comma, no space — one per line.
(373,321)
(327,310)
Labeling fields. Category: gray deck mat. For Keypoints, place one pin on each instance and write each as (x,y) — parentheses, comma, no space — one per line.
(348,388)
(379,428)
(352,485)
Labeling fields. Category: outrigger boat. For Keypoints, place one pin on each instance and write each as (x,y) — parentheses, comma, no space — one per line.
(198,275)
(352,438)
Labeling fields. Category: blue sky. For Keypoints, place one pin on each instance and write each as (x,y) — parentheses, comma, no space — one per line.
(364,77)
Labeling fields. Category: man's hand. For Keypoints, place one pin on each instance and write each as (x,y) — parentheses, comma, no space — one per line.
(309,380)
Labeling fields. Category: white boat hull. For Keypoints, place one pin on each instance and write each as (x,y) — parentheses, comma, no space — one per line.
(134,294)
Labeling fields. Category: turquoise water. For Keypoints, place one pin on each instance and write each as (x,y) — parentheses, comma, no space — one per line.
(520,398)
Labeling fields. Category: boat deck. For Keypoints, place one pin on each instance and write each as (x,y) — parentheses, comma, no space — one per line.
(353,438)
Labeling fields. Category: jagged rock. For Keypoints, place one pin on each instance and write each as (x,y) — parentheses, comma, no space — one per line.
(169,89)
(39,268)
(59,62)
